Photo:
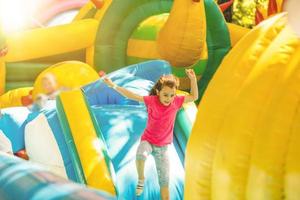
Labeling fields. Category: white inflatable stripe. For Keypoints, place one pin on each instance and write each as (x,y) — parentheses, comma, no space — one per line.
(41,146)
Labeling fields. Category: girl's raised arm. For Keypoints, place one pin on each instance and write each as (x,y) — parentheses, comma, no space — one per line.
(193,96)
(123,91)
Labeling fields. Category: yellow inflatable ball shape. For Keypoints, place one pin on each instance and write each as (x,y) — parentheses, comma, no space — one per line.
(68,74)
(16,97)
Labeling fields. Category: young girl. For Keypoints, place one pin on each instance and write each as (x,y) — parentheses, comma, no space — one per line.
(162,105)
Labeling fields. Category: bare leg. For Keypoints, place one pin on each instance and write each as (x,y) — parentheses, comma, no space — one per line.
(164,193)
(140,169)
(143,151)
(140,164)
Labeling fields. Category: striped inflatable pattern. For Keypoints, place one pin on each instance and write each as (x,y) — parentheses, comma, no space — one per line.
(22,180)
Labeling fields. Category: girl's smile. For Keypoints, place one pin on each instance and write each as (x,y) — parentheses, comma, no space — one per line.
(166,95)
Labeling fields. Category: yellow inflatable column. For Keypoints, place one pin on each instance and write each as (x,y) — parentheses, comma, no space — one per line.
(50,41)
(234,114)
(292,167)
(90,51)
(88,145)
(277,77)
(240,122)
(236,33)
(2,76)
(88,7)
(100,13)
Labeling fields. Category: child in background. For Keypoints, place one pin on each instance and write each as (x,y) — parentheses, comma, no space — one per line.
(50,86)
(50,89)
(162,105)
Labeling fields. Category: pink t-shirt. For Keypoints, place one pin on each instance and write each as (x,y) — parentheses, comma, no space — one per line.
(161,118)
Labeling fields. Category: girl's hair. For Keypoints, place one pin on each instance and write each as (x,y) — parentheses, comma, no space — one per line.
(166,80)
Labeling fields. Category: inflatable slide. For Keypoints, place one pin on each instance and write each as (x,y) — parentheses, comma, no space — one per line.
(100,150)
(21,180)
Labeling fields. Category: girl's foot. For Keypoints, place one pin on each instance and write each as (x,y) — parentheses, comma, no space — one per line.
(139,187)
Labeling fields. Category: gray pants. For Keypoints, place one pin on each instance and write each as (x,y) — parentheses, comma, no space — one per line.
(161,158)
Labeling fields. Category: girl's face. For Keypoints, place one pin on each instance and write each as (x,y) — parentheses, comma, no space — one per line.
(166,95)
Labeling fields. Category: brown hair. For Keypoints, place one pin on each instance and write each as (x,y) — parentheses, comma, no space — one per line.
(166,80)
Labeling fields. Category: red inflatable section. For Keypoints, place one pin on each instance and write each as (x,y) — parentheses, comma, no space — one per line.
(226,5)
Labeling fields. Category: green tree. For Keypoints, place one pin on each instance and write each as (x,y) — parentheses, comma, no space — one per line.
(244,11)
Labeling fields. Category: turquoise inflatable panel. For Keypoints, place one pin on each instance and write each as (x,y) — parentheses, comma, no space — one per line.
(21,180)
(12,124)
(122,127)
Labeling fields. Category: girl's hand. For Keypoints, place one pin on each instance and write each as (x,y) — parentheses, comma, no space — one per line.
(190,73)
(108,82)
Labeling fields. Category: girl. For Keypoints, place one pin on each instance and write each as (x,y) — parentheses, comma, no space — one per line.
(162,105)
